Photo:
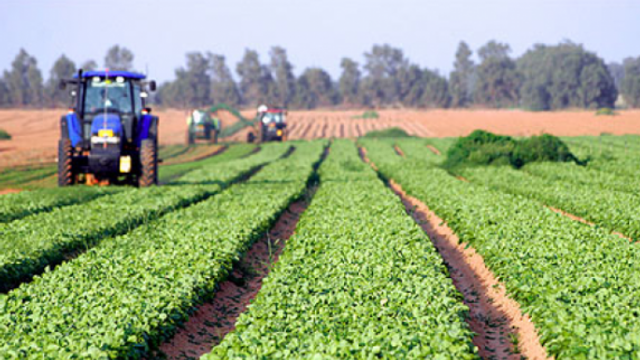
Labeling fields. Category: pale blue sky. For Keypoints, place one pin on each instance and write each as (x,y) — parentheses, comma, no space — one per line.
(315,33)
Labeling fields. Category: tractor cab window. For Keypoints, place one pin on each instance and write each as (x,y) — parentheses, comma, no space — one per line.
(273,117)
(136,98)
(107,94)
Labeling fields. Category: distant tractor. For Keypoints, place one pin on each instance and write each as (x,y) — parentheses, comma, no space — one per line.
(202,126)
(109,135)
(271,125)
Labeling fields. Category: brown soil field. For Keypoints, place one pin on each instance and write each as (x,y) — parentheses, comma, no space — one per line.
(35,132)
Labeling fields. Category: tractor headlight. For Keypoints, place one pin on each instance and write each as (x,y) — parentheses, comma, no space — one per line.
(113,140)
(125,164)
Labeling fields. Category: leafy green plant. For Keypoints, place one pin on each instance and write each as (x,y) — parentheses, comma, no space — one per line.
(4,135)
(605,111)
(20,205)
(393,132)
(122,298)
(359,279)
(369,114)
(25,249)
(576,282)
(484,148)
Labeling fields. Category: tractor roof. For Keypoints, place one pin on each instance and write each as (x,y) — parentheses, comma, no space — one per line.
(112,74)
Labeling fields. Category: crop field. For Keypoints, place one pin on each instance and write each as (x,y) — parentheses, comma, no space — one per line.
(352,247)
(35,132)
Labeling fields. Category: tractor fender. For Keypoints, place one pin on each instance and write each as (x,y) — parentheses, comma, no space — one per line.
(147,128)
(70,128)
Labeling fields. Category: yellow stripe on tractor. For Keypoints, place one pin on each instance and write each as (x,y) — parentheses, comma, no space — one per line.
(105,133)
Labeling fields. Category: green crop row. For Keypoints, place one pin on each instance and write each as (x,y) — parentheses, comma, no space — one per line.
(614,210)
(598,180)
(579,284)
(28,245)
(126,295)
(358,280)
(168,173)
(17,206)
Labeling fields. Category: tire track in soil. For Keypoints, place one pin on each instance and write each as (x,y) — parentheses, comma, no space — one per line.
(358,132)
(434,149)
(585,221)
(214,319)
(398,150)
(304,133)
(493,316)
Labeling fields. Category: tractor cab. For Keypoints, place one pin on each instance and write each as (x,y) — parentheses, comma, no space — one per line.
(200,125)
(272,123)
(108,136)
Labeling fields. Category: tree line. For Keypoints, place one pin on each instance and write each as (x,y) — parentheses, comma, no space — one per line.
(546,77)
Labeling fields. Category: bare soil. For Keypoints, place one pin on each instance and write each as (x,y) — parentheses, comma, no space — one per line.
(215,319)
(35,132)
(9,191)
(502,330)
(584,221)
(496,319)
(398,150)
(434,149)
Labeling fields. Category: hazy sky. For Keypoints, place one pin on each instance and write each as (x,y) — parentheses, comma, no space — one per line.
(315,33)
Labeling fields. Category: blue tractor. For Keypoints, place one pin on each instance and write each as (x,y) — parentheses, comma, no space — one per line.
(109,135)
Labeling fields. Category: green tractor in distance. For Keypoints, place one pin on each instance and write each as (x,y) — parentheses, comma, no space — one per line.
(201,126)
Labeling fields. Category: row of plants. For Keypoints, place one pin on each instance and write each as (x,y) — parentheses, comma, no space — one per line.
(358,280)
(169,173)
(125,296)
(29,245)
(20,205)
(614,210)
(597,180)
(579,284)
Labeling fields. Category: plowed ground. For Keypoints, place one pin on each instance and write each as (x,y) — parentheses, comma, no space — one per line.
(35,132)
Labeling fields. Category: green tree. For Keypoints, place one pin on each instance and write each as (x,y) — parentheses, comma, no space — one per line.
(5,99)
(315,89)
(461,77)
(119,58)
(422,88)
(285,81)
(63,68)
(382,65)
(436,90)
(89,65)
(349,83)
(565,76)
(223,87)
(24,81)
(630,86)
(195,81)
(498,81)
(191,87)
(256,83)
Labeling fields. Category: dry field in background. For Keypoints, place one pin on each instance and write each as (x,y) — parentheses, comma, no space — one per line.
(35,132)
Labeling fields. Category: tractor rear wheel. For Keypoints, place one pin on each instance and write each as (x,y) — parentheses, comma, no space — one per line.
(148,163)
(65,163)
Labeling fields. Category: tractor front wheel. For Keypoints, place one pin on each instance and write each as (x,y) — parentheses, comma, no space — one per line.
(148,163)
(65,163)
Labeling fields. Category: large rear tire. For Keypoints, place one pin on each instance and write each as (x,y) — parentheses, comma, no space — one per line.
(65,163)
(148,163)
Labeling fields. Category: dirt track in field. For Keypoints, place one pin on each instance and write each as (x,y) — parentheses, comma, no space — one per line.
(215,319)
(494,317)
(35,132)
